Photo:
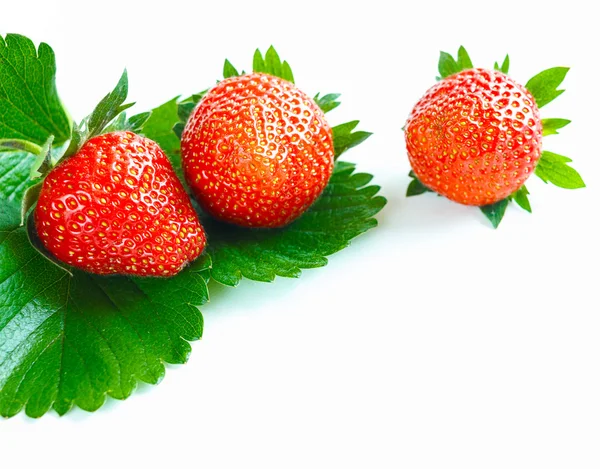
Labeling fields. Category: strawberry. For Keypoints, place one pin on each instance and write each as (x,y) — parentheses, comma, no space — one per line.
(475,137)
(117,207)
(257,151)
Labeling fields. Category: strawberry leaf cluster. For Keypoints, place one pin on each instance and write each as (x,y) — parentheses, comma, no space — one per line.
(70,338)
(30,108)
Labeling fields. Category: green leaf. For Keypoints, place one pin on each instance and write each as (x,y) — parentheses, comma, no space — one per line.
(258,63)
(109,108)
(328,102)
(229,70)
(520,197)
(464,61)
(33,238)
(136,122)
(119,123)
(184,110)
(78,138)
(344,138)
(553,168)
(29,104)
(272,65)
(133,124)
(286,72)
(416,187)
(272,62)
(447,65)
(544,86)
(13,164)
(551,126)
(195,98)
(495,212)
(505,65)
(43,160)
(30,198)
(16,144)
(159,127)
(345,210)
(72,340)
(178,129)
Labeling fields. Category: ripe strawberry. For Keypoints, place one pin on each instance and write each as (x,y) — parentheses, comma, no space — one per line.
(475,137)
(257,151)
(117,207)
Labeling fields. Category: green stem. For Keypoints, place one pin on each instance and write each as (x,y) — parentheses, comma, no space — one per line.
(16,144)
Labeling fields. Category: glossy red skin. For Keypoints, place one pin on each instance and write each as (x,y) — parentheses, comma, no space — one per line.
(257,151)
(117,207)
(475,137)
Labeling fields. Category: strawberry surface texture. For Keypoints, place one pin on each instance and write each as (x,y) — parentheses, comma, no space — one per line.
(257,151)
(117,207)
(475,137)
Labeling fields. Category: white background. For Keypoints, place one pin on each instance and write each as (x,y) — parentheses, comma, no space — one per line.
(434,341)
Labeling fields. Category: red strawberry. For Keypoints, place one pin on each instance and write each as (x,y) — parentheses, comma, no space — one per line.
(475,137)
(257,151)
(117,207)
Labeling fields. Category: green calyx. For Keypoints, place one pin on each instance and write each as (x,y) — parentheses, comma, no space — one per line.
(108,116)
